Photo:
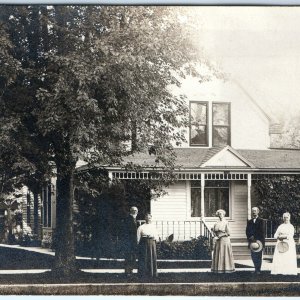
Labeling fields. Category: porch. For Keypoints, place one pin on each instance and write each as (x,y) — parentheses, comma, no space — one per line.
(187,230)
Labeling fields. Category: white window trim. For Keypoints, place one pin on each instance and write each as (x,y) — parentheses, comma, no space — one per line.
(189,204)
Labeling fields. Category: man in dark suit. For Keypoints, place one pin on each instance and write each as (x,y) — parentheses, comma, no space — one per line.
(255,231)
(130,240)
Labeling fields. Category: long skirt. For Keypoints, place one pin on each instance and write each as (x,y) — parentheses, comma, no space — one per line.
(285,263)
(222,261)
(147,266)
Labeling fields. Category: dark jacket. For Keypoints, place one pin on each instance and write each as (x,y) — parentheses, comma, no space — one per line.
(129,234)
(256,230)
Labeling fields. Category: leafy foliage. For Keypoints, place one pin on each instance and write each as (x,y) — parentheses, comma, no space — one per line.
(92,81)
(198,248)
(98,219)
(277,195)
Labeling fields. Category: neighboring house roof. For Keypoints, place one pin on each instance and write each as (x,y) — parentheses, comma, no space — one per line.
(197,158)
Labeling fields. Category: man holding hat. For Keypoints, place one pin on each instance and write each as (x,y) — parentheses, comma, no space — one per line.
(255,232)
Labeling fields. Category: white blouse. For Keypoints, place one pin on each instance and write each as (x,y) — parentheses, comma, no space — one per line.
(147,230)
(286,230)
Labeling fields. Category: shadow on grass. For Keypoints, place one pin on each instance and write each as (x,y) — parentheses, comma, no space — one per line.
(83,277)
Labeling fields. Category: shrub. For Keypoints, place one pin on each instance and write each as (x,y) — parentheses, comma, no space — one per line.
(198,248)
(29,240)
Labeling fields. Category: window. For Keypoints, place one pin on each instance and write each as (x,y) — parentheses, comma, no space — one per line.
(216,196)
(46,200)
(221,124)
(28,208)
(198,124)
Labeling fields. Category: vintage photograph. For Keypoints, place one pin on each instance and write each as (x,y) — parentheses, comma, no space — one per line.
(149,150)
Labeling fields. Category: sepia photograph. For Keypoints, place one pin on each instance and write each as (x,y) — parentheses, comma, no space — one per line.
(149,150)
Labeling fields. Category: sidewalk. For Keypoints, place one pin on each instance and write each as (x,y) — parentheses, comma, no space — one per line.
(241,265)
(175,277)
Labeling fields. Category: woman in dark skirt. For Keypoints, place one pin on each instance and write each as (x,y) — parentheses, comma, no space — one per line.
(147,236)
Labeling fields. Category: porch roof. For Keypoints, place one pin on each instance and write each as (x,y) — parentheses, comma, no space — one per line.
(194,158)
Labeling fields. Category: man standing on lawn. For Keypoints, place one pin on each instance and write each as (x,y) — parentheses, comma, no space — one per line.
(130,240)
(255,231)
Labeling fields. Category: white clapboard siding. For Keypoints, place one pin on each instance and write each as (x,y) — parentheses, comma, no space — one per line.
(239,209)
(170,212)
(171,206)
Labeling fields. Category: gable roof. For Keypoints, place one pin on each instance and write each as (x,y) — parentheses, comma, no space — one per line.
(195,159)
(275,158)
(227,157)
(270,119)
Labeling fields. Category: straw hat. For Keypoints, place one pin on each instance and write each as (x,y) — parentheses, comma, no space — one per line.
(256,246)
(282,247)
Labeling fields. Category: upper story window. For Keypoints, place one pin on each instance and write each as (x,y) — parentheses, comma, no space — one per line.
(198,123)
(221,124)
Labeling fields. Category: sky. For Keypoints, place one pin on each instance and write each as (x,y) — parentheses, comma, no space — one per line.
(259,47)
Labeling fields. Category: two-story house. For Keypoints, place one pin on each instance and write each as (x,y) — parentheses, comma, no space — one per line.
(228,147)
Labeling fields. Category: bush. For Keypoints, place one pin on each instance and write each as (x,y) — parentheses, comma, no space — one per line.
(198,248)
(29,240)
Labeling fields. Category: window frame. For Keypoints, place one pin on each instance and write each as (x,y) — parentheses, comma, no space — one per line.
(221,126)
(207,124)
(228,213)
(47,206)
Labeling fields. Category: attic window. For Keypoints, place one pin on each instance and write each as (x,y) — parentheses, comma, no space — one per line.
(198,123)
(221,130)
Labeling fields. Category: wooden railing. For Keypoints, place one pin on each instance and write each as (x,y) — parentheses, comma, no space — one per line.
(181,230)
(207,233)
(270,229)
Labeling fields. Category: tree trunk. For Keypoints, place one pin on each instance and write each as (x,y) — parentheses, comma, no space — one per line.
(65,261)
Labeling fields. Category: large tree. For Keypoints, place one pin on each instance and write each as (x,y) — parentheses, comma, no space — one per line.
(93,81)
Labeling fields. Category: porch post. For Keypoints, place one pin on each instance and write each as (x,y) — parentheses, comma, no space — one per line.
(110,176)
(249,195)
(202,194)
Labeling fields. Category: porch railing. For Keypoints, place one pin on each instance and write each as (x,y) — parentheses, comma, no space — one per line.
(270,229)
(181,230)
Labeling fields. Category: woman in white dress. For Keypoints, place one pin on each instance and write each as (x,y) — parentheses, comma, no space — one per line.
(147,259)
(285,259)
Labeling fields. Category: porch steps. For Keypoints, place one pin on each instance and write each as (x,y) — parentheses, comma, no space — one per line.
(241,252)
(240,249)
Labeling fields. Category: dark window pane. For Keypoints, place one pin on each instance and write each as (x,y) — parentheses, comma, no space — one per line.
(198,123)
(196,202)
(28,208)
(198,113)
(220,136)
(45,207)
(196,183)
(217,183)
(198,135)
(215,198)
(49,206)
(221,114)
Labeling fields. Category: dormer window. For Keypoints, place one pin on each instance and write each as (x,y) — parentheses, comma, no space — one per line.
(221,124)
(198,123)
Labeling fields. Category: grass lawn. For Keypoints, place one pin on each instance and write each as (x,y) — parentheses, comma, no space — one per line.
(11,259)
